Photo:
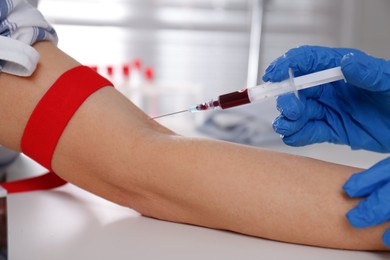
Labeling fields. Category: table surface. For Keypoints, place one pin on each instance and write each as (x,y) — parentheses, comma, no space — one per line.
(70,223)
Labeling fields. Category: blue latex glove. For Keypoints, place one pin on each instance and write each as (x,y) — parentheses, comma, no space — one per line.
(374,184)
(356,113)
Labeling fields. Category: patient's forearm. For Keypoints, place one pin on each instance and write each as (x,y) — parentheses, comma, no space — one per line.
(112,149)
(253,191)
(209,183)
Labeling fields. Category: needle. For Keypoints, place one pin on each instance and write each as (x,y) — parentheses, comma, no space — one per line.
(182,111)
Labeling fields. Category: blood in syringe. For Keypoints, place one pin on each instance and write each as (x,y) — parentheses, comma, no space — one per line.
(206,106)
(234,99)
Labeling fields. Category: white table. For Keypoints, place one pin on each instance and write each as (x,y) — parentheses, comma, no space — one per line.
(69,223)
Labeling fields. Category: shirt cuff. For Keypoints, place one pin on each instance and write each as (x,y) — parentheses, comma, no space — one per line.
(21,25)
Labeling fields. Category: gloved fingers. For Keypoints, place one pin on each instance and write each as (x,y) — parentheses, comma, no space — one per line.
(278,69)
(312,132)
(373,210)
(364,183)
(284,126)
(366,72)
(386,238)
(293,119)
(303,60)
(290,106)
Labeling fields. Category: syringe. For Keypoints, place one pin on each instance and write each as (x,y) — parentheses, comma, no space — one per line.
(267,90)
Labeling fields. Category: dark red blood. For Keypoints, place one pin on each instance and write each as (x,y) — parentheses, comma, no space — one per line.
(234,99)
(203,106)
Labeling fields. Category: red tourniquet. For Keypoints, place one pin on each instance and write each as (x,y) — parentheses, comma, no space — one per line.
(46,181)
(48,121)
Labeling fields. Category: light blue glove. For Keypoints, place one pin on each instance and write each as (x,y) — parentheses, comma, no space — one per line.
(374,184)
(356,113)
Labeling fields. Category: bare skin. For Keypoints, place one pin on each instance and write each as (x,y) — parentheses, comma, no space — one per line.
(112,149)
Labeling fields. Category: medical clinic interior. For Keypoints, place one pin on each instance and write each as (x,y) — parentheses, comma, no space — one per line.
(207,70)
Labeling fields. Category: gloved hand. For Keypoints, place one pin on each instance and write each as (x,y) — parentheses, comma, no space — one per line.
(356,113)
(374,184)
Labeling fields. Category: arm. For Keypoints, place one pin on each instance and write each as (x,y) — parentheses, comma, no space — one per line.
(113,150)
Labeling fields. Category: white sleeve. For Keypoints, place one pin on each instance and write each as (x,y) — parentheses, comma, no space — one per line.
(21,25)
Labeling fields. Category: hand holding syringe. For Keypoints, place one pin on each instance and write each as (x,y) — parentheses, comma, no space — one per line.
(267,90)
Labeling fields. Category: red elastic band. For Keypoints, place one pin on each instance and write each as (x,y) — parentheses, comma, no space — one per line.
(48,121)
(55,109)
(44,182)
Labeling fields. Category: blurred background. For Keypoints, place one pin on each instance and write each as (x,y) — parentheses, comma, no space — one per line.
(207,42)
(189,51)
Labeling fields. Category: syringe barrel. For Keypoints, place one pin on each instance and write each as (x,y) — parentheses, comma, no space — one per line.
(269,90)
(274,89)
(254,94)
